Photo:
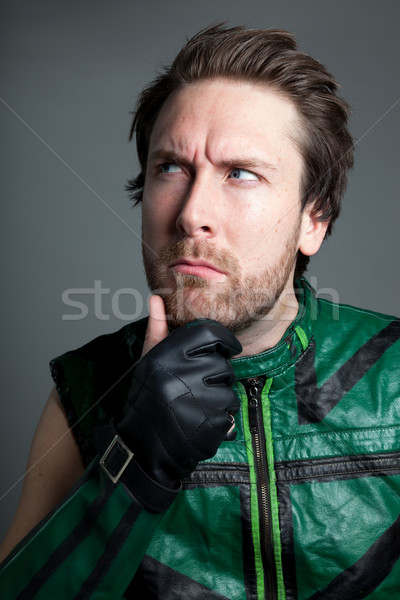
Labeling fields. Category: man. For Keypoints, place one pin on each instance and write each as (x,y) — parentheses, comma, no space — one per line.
(244,441)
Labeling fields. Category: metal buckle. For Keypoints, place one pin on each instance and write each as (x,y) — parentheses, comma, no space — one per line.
(116,440)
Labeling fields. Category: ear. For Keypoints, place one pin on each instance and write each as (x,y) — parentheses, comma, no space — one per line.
(312,231)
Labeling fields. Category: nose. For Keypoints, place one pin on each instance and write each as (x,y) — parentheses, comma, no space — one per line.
(198,215)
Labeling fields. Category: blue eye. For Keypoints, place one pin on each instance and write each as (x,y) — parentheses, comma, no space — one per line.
(169,168)
(243,174)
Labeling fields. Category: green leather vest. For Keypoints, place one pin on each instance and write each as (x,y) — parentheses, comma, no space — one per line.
(305,503)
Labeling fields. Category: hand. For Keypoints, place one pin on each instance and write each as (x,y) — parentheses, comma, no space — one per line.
(181,401)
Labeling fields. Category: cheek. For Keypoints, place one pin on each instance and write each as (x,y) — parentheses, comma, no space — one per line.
(260,241)
(253,220)
(148,220)
(158,223)
(152,223)
(161,205)
(153,207)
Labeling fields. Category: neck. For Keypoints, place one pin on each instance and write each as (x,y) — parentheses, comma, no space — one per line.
(266,332)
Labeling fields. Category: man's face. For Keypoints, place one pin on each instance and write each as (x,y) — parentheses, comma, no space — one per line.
(221,203)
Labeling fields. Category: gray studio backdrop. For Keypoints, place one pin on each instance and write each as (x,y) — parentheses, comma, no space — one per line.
(70,75)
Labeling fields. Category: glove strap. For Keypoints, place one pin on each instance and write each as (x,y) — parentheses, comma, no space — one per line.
(118,463)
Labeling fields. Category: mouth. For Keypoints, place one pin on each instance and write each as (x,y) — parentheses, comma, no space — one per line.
(197,268)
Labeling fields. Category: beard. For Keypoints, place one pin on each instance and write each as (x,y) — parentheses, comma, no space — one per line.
(237,302)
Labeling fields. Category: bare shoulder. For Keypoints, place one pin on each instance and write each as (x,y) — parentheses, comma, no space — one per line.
(54,465)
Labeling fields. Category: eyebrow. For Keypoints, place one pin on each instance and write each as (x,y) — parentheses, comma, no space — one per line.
(248,162)
(244,162)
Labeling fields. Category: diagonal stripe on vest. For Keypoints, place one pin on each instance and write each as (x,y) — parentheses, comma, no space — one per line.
(79,533)
(154,580)
(114,545)
(314,403)
(362,578)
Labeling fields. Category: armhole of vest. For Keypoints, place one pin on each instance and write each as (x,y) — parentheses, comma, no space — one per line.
(64,392)
(64,367)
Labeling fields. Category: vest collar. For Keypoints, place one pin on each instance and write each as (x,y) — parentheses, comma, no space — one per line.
(292,344)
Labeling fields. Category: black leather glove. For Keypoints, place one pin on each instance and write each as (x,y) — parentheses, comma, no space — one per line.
(181,401)
(179,409)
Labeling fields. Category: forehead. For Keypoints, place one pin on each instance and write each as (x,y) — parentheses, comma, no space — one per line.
(217,115)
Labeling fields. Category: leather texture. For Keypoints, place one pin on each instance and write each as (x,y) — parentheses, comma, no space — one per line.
(332,429)
(120,466)
(180,400)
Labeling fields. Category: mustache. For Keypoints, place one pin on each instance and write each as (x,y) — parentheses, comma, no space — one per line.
(222,259)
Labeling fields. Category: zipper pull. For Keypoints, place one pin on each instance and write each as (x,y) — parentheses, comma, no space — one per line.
(253,405)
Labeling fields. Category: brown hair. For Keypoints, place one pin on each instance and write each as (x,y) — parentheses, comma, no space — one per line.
(268,57)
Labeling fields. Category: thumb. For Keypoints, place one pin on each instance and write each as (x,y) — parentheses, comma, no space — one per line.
(157,327)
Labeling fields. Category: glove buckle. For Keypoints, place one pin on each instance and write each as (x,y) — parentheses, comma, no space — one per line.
(124,451)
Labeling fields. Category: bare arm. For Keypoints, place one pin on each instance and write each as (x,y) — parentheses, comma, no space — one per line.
(54,465)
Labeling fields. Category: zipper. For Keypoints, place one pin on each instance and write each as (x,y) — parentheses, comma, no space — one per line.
(254,389)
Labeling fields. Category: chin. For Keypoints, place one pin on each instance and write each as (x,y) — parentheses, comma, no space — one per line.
(236,316)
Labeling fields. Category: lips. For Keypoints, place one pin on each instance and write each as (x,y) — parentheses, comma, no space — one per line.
(197,268)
